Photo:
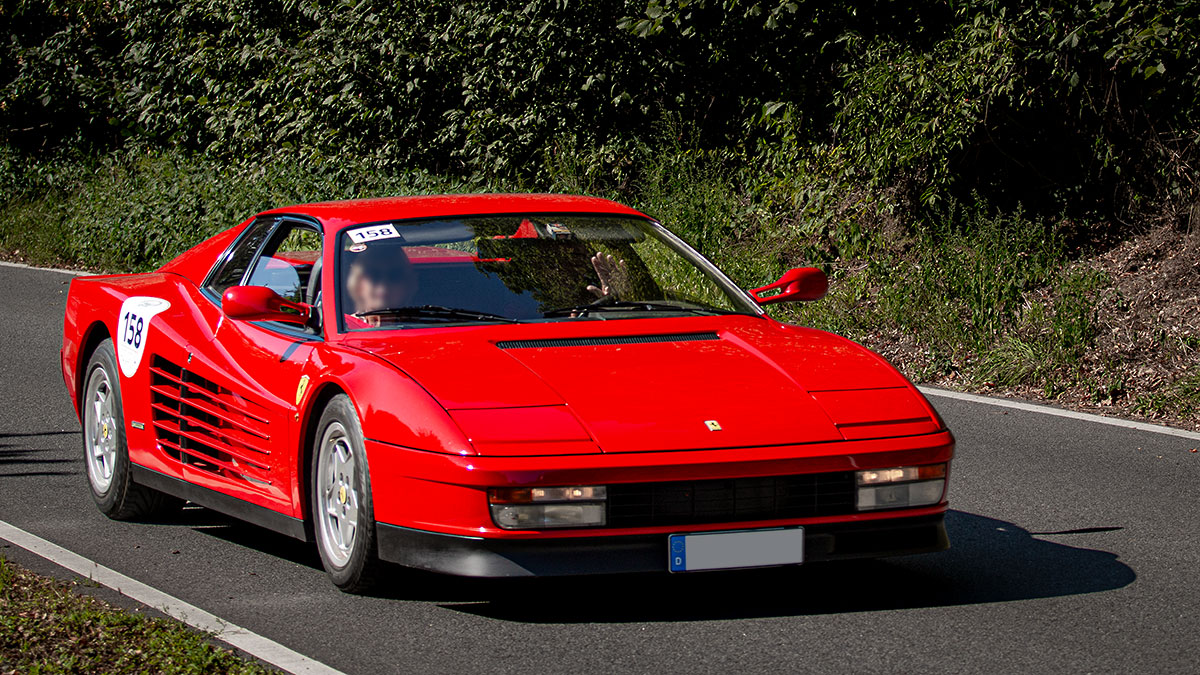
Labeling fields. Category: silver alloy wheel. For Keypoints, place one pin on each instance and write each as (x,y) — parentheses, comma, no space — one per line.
(101,430)
(337,499)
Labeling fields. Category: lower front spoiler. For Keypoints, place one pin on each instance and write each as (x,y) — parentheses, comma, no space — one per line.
(479,557)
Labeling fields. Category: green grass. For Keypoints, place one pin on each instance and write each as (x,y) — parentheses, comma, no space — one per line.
(46,626)
(989,296)
(135,213)
(994,298)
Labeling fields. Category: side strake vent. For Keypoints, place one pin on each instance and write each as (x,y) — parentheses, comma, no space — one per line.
(206,426)
(603,341)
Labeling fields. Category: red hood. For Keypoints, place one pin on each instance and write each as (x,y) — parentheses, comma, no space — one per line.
(650,384)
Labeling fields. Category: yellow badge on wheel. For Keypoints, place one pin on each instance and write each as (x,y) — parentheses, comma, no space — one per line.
(342,494)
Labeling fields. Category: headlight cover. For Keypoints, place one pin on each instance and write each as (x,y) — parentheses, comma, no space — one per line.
(539,508)
(900,487)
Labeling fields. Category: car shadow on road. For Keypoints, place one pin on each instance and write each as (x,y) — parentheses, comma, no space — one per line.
(990,561)
(21,460)
(234,531)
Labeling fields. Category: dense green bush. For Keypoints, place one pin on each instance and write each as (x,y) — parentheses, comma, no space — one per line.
(136,213)
(943,160)
(1089,108)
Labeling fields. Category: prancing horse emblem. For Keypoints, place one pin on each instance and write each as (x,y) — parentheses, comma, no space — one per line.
(712,425)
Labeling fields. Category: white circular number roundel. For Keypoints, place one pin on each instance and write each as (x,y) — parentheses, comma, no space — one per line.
(133,329)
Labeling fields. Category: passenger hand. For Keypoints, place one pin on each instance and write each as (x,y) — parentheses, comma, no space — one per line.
(613,274)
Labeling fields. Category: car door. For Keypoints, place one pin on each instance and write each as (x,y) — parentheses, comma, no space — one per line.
(247,379)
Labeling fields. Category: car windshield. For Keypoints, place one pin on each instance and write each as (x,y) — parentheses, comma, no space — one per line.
(515,268)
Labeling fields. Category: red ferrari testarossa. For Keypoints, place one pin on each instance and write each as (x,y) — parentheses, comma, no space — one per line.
(496,385)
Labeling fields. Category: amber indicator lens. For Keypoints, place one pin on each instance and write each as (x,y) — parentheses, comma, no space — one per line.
(541,495)
(901,474)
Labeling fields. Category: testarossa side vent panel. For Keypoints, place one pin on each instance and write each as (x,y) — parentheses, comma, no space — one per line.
(605,341)
(205,426)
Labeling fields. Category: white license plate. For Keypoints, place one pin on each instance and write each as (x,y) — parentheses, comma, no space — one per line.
(730,550)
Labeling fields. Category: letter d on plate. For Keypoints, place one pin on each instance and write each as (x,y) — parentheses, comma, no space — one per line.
(678,552)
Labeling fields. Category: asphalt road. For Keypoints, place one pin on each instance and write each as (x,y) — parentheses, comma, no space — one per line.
(1076,548)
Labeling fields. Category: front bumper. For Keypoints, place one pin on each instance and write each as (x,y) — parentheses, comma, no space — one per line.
(487,557)
(447,494)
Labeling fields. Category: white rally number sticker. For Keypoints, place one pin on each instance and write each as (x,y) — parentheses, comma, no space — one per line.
(370,233)
(133,329)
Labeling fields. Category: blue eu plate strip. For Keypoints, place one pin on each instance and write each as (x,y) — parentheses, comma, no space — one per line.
(678,544)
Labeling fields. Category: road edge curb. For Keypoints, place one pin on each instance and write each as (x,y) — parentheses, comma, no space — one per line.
(1060,412)
(252,643)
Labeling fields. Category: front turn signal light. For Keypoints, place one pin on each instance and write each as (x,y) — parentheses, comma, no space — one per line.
(537,508)
(900,487)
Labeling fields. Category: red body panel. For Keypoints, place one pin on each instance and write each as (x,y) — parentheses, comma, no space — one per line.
(429,481)
(449,412)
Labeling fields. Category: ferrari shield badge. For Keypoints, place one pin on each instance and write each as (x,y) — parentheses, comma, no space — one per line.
(712,425)
(301,388)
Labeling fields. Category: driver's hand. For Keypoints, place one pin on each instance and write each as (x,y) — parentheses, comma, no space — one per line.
(613,274)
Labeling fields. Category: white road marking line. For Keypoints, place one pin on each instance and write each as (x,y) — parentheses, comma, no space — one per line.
(23,266)
(1056,412)
(252,643)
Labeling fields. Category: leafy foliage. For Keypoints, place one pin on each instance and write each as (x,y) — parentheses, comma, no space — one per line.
(945,161)
(1064,106)
(137,213)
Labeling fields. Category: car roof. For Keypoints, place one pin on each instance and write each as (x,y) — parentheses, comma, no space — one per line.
(340,214)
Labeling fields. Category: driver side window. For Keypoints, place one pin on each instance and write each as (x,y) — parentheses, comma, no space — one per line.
(281,254)
(240,258)
(287,262)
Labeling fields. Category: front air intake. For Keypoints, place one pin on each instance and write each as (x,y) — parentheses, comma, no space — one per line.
(605,341)
(727,500)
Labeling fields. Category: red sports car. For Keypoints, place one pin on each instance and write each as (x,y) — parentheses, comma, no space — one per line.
(496,385)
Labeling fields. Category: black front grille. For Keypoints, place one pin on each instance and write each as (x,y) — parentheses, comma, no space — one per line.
(729,500)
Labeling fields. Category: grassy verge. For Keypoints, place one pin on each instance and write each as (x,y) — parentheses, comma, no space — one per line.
(46,626)
(1181,396)
(967,296)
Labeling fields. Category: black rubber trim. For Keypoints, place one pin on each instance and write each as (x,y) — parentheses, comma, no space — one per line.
(604,341)
(480,557)
(291,349)
(218,501)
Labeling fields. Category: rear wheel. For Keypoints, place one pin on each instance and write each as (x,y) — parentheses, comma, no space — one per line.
(342,512)
(105,451)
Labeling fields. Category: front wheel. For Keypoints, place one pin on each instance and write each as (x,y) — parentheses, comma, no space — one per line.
(105,450)
(342,512)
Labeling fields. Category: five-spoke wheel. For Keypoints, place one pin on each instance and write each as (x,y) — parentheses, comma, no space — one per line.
(341,509)
(105,450)
(337,510)
(100,429)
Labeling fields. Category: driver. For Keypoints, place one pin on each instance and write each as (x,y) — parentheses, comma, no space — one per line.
(380,277)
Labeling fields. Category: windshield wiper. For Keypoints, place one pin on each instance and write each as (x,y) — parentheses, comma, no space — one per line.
(609,303)
(436,313)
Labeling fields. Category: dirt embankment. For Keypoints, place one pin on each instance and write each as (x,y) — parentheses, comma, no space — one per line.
(1145,363)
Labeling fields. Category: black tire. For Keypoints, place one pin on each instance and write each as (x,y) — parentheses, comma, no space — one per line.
(344,486)
(109,478)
